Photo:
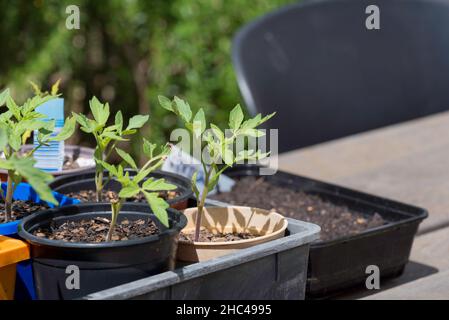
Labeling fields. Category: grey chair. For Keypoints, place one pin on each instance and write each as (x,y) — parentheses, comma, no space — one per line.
(328,76)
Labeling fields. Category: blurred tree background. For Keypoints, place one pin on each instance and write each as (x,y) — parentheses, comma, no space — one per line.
(127,52)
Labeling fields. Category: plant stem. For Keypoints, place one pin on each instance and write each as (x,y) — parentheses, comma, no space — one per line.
(99,184)
(201,202)
(115,206)
(8,199)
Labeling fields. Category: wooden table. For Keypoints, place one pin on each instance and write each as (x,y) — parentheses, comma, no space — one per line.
(408,162)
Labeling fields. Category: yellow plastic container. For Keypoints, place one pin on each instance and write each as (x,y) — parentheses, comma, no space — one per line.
(12,251)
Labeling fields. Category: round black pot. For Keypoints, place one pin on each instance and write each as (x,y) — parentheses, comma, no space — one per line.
(101,265)
(86,181)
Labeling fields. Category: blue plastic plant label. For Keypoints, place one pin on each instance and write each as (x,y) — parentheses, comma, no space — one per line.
(50,157)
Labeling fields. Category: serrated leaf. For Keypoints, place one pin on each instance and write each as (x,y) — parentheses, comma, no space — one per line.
(128,132)
(227,156)
(165,103)
(217,132)
(183,109)
(199,123)
(236,117)
(67,130)
(3,138)
(15,141)
(55,87)
(194,186)
(128,159)
(148,148)
(129,191)
(157,185)
(113,136)
(13,107)
(137,122)
(158,206)
(119,121)
(252,133)
(36,178)
(99,111)
(3,96)
(109,167)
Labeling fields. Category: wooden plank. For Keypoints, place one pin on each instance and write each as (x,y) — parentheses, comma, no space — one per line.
(408,162)
(435,287)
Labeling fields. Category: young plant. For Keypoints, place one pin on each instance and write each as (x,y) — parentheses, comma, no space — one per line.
(219,145)
(133,185)
(105,136)
(38,91)
(16,125)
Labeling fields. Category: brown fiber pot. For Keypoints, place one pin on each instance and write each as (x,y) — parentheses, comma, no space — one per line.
(268,225)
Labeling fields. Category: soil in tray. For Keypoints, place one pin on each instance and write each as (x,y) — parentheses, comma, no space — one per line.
(207,236)
(108,195)
(95,230)
(21,209)
(335,220)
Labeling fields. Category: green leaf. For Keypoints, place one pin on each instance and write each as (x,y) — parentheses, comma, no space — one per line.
(266,118)
(109,167)
(137,122)
(194,186)
(3,96)
(113,136)
(67,130)
(183,109)
(158,206)
(128,159)
(236,117)
(165,103)
(148,148)
(252,133)
(119,121)
(157,185)
(15,141)
(199,123)
(87,125)
(3,138)
(227,156)
(217,132)
(99,111)
(129,191)
(6,164)
(13,107)
(36,178)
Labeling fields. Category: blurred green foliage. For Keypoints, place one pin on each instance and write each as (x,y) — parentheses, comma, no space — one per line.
(127,52)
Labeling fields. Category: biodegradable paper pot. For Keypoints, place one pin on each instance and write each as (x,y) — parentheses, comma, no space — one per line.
(268,225)
(101,265)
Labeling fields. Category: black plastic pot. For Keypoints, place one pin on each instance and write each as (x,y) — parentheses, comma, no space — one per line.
(341,263)
(101,265)
(86,181)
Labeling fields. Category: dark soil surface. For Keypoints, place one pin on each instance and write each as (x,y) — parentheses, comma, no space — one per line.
(335,220)
(95,230)
(207,236)
(21,209)
(108,195)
